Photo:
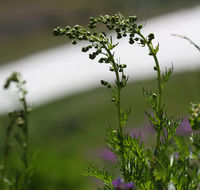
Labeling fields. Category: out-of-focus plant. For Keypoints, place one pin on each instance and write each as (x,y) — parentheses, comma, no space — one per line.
(15,169)
(173,163)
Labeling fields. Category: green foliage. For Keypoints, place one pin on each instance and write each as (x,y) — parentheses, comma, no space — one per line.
(101,174)
(143,167)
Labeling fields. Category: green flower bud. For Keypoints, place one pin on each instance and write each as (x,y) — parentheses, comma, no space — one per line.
(74,42)
(92,26)
(140,26)
(154,95)
(119,36)
(101,60)
(123,77)
(107,60)
(88,33)
(68,33)
(136,39)
(96,46)
(108,86)
(55,32)
(155,68)
(122,66)
(118,30)
(112,68)
(80,37)
(132,18)
(92,56)
(150,37)
(142,41)
(124,35)
(76,27)
(67,28)
(131,41)
(85,49)
(113,19)
(104,83)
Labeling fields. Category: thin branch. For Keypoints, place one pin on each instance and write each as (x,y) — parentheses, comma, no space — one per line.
(186,38)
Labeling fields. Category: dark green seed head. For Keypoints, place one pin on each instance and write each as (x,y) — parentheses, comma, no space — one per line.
(92,56)
(136,39)
(118,30)
(140,26)
(131,41)
(67,28)
(132,18)
(108,86)
(104,83)
(85,49)
(55,32)
(76,27)
(119,36)
(101,60)
(74,42)
(124,35)
(122,66)
(154,95)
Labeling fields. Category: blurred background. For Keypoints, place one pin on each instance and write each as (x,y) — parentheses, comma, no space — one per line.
(69,133)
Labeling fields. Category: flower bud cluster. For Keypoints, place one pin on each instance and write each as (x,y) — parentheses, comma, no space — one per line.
(105,83)
(100,44)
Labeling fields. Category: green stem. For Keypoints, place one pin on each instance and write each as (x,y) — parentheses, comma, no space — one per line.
(26,138)
(6,149)
(159,110)
(118,109)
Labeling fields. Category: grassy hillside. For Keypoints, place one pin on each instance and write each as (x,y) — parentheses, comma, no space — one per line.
(69,133)
(25,26)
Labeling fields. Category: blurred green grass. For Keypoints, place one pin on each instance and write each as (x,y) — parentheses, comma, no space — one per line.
(68,133)
(25,26)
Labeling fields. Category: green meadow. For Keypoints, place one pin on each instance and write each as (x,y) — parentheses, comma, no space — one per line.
(68,134)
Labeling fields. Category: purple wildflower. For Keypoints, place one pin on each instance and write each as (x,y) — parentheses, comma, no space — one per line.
(176,155)
(107,155)
(184,128)
(120,185)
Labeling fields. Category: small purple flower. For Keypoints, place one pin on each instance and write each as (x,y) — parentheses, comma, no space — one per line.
(176,155)
(120,185)
(107,155)
(184,128)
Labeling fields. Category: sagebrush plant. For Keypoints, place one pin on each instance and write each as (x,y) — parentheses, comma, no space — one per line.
(174,162)
(15,168)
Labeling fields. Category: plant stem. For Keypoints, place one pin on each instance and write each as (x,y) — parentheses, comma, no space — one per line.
(6,150)
(25,130)
(118,110)
(159,110)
